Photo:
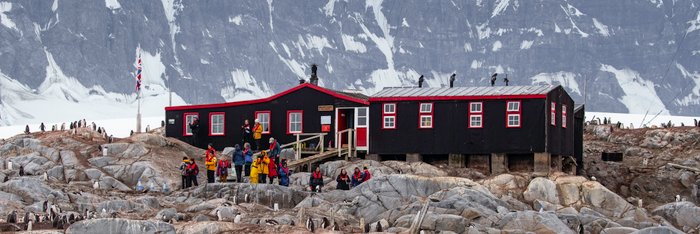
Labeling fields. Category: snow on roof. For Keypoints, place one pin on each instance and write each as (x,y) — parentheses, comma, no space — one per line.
(465,91)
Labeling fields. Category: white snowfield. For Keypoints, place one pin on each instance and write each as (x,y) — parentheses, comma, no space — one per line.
(639,120)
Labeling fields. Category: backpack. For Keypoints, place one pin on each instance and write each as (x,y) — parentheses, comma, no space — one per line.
(248,158)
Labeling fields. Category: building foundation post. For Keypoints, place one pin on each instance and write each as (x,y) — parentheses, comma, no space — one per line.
(499,164)
(456,160)
(542,164)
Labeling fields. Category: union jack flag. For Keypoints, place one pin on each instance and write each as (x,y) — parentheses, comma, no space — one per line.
(138,74)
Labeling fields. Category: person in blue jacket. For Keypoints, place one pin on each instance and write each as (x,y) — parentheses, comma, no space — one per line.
(248,154)
(357,177)
(239,162)
(284,173)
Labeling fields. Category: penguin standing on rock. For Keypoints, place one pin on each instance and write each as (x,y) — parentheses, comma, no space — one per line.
(325,223)
(12,217)
(310,225)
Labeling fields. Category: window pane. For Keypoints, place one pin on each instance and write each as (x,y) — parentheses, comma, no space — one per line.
(389,108)
(475,107)
(426,107)
(362,112)
(426,121)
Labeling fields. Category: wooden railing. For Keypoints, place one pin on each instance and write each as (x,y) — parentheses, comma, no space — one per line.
(298,143)
(350,149)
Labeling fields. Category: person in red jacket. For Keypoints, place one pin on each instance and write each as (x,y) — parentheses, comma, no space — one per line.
(272,166)
(316,180)
(366,175)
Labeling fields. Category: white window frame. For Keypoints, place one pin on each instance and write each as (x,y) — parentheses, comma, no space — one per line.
(516,104)
(291,123)
(553,114)
(188,121)
(430,117)
(474,104)
(429,109)
(393,108)
(472,121)
(264,122)
(563,116)
(508,124)
(385,122)
(213,124)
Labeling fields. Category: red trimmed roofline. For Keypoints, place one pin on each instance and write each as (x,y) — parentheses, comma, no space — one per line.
(450,98)
(268,99)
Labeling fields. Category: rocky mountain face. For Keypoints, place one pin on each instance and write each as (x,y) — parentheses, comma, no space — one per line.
(622,56)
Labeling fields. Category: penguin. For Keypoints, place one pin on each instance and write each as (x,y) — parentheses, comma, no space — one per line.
(46,206)
(151,187)
(245,198)
(593,178)
(54,223)
(46,176)
(335,226)
(237,219)
(379,227)
(366,228)
(678,198)
(12,217)
(541,209)
(29,226)
(71,218)
(218,215)
(310,225)
(639,203)
(96,185)
(235,198)
(21,170)
(25,219)
(104,213)
(271,222)
(325,223)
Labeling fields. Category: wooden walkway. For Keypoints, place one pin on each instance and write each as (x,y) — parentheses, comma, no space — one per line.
(312,159)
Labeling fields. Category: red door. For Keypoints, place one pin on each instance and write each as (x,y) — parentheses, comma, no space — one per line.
(361,125)
(342,125)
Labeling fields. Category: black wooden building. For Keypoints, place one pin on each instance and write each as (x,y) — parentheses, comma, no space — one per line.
(306,108)
(514,125)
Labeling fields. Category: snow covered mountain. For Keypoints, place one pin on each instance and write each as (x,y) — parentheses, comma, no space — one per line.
(62,59)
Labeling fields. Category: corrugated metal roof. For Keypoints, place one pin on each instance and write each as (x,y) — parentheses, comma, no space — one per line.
(465,91)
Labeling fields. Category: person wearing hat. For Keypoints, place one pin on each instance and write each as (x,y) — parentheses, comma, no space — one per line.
(247,132)
(366,175)
(257,133)
(284,173)
(183,171)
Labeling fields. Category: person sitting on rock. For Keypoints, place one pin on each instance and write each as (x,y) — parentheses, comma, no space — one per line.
(284,173)
(192,173)
(239,162)
(222,169)
(210,163)
(183,171)
(366,175)
(263,167)
(343,180)
(316,180)
(356,177)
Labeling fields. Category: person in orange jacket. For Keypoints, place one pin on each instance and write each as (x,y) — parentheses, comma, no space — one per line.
(263,167)
(257,133)
(210,163)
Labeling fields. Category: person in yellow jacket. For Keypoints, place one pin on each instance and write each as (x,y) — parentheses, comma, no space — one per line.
(263,167)
(210,163)
(257,133)
(254,172)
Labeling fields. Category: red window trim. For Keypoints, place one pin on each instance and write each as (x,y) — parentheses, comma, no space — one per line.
(384,109)
(470,121)
(185,123)
(211,122)
(520,120)
(563,116)
(450,98)
(421,114)
(519,113)
(475,113)
(269,120)
(393,114)
(302,121)
(553,114)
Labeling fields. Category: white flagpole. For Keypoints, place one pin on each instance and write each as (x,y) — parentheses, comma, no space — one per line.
(138,98)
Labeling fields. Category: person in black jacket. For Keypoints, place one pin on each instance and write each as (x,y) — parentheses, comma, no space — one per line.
(247,132)
(343,180)
(316,180)
(195,131)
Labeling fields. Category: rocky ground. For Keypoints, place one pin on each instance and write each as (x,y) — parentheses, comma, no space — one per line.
(61,168)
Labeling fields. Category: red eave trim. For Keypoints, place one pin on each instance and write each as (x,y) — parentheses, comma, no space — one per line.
(448,98)
(268,99)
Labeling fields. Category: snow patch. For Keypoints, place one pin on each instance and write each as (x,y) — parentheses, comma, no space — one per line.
(286,50)
(203,61)
(496,46)
(113,4)
(467,47)
(573,24)
(54,6)
(4,19)
(328,8)
(314,42)
(694,97)
(438,79)
(270,8)
(526,44)
(404,23)
(694,24)
(243,86)
(556,28)
(292,64)
(574,11)
(501,6)
(476,64)
(640,96)
(602,28)
(483,31)
(565,79)
(237,20)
